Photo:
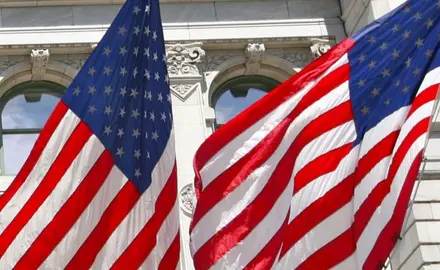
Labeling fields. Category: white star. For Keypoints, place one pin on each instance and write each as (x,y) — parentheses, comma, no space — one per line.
(136,133)
(167,79)
(147,52)
(372,40)
(135,113)
(365,110)
(108,90)
(122,112)
(92,90)
(397,84)
(417,71)
(147,30)
(134,93)
(147,74)
(123,91)
(419,42)
(107,130)
(408,62)
(154,35)
(169,98)
(135,72)
(137,173)
(146,135)
(107,71)
(163,117)
(155,136)
(395,28)
(428,53)
(159,97)
(107,51)
(147,9)
(108,110)
(122,30)
(164,58)
(418,16)
(92,109)
(123,71)
(137,153)
(136,51)
(396,53)
(148,155)
(152,117)
(405,89)
(407,10)
(372,64)
(386,73)
(384,46)
(375,92)
(120,152)
(407,34)
(361,83)
(156,76)
(148,95)
(137,30)
(155,56)
(122,51)
(429,23)
(362,58)
(76,91)
(136,10)
(120,133)
(92,71)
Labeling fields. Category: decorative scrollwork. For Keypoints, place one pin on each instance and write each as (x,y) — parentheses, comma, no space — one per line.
(184,59)
(187,199)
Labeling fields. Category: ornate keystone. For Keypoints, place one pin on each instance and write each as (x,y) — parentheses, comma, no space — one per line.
(319,47)
(184,59)
(254,56)
(39,60)
(187,199)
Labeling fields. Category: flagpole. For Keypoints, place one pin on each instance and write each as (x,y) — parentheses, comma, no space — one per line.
(435,114)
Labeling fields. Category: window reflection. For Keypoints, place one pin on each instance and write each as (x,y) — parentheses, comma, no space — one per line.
(16,149)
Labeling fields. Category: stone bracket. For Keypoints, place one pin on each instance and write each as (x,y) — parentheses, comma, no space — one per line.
(319,47)
(39,59)
(254,57)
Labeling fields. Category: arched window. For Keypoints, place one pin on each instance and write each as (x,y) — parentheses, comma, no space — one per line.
(237,94)
(24,111)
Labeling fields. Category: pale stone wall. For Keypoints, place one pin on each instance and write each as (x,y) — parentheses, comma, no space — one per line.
(420,244)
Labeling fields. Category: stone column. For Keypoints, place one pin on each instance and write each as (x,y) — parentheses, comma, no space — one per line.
(184,68)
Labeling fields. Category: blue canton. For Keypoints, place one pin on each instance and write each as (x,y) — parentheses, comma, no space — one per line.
(122,92)
(390,59)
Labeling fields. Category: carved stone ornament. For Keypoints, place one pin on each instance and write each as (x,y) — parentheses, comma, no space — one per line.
(319,47)
(183,90)
(254,57)
(76,63)
(39,60)
(187,196)
(184,59)
(298,59)
(6,63)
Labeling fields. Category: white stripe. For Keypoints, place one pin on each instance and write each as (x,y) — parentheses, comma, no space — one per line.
(244,252)
(349,263)
(432,78)
(384,128)
(384,212)
(321,185)
(70,181)
(318,237)
(167,232)
(82,228)
(49,154)
(141,213)
(247,140)
(329,141)
(233,204)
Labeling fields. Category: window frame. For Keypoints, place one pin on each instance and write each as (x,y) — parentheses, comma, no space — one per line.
(253,81)
(38,87)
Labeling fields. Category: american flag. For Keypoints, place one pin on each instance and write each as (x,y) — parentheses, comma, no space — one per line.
(99,189)
(318,173)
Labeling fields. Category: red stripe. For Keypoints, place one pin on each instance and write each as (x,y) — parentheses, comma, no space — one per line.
(171,258)
(55,231)
(378,194)
(337,197)
(426,96)
(270,102)
(235,231)
(49,128)
(67,155)
(266,257)
(110,220)
(237,173)
(323,164)
(388,237)
(146,240)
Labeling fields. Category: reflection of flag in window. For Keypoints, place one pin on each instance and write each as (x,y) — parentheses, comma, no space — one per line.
(99,188)
(318,173)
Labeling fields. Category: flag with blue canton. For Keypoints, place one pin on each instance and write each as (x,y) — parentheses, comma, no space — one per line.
(99,188)
(332,155)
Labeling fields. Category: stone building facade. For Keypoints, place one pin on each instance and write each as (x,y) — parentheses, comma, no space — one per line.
(210,45)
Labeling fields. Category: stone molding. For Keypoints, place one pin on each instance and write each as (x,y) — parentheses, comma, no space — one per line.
(39,59)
